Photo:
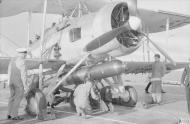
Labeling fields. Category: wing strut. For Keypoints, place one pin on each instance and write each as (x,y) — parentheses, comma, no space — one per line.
(28,28)
(69,73)
(148,45)
(41,45)
(167,31)
(160,50)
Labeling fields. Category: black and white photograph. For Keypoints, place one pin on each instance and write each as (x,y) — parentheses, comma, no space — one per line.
(94,61)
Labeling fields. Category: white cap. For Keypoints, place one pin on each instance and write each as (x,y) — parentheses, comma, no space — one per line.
(21,50)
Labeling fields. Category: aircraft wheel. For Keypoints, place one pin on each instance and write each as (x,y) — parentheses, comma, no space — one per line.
(132,96)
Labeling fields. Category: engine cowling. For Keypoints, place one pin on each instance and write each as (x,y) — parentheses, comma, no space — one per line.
(112,16)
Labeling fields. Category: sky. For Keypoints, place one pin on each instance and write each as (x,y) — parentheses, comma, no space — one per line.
(176,44)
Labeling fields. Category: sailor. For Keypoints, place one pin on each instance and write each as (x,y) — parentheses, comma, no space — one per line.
(106,97)
(81,97)
(158,71)
(106,94)
(185,80)
(17,83)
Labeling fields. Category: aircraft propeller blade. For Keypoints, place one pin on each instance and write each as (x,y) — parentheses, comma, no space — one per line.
(134,23)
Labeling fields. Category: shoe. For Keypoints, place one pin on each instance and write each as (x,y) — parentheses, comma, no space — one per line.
(17,118)
(163,91)
(146,91)
(9,117)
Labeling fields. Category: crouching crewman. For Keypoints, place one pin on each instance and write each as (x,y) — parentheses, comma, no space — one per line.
(81,97)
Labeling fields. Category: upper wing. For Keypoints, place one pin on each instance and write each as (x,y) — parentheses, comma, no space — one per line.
(13,7)
(32,64)
(145,67)
(155,21)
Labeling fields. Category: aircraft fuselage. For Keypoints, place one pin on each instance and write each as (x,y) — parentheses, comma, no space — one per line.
(77,39)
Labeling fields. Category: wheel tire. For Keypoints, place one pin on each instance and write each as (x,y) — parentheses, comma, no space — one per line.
(133,96)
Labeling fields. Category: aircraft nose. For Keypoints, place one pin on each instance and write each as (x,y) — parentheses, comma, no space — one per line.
(134,22)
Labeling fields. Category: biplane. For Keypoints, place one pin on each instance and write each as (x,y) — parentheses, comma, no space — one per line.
(90,37)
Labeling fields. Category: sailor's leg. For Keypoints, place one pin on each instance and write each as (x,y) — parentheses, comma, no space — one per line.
(159,97)
(78,110)
(103,106)
(111,107)
(154,97)
(88,109)
(154,92)
(19,94)
(147,87)
(11,100)
(83,113)
(159,91)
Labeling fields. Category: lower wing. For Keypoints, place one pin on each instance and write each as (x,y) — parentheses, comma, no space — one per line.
(31,64)
(146,67)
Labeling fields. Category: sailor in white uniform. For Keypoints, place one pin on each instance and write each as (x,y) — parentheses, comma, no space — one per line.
(17,83)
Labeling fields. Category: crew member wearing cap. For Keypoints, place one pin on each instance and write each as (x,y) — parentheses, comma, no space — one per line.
(185,80)
(158,71)
(17,83)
